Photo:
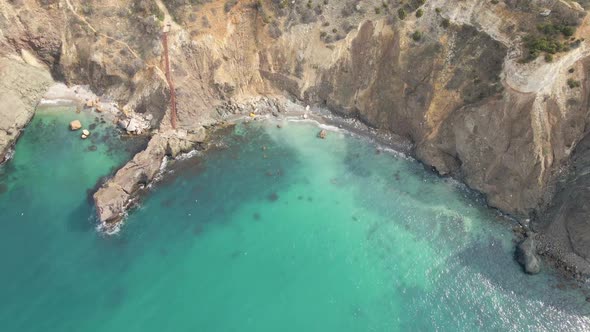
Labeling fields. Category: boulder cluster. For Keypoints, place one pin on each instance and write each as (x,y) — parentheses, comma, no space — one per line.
(77,125)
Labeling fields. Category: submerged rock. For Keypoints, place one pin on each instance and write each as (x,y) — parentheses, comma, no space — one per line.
(273,197)
(323,134)
(526,256)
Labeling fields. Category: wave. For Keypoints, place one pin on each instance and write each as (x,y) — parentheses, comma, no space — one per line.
(56,102)
(9,154)
(188,155)
(392,151)
(161,171)
(357,130)
(109,229)
(315,122)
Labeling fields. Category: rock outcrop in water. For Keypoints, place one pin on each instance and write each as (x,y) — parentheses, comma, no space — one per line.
(493,93)
(526,255)
(120,193)
(75,125)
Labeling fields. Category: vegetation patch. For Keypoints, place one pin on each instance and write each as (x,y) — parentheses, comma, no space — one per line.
(417,36)
(229,5)
(550,38)
(573,83)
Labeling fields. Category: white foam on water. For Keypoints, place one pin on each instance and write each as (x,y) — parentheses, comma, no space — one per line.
(56,102)
(379,146)
(188,155)
(109,229)
(315,122)
(160,173)
(9,154)
(389,150)
(164,164)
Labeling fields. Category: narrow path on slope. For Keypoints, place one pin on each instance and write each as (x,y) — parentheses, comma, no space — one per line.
(173,115)
(169,26)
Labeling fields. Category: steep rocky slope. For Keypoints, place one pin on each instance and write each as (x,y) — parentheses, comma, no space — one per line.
(21,87)
(492,92)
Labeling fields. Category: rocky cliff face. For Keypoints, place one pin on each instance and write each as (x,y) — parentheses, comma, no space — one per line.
(21,87)
(494,93)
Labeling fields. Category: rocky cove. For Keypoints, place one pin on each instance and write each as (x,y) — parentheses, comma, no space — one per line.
(469,88)
(341,233)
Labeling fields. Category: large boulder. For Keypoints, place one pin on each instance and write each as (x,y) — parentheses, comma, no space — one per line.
(526,256)
(75,125)
(133,125)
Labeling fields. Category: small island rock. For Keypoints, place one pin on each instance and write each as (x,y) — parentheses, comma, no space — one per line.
(75,125)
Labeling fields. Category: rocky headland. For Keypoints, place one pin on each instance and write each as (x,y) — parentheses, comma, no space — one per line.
(494,93)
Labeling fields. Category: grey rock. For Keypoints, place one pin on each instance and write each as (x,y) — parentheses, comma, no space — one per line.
(566,223)
(526,256)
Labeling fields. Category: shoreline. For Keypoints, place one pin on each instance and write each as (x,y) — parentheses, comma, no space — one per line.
(325,119)
(336,123)
(280,109)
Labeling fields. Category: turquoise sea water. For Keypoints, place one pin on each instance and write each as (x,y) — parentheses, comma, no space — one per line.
(279,231)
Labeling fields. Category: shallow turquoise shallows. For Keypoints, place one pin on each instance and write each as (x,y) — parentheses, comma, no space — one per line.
(279,231)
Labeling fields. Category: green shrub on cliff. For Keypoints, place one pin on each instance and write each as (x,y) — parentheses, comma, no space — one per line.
(573,83)
(556,29)
(229,5)
(538,44)
(401,13)
(549,40)
(159,14)
(417,35)
(549,57)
